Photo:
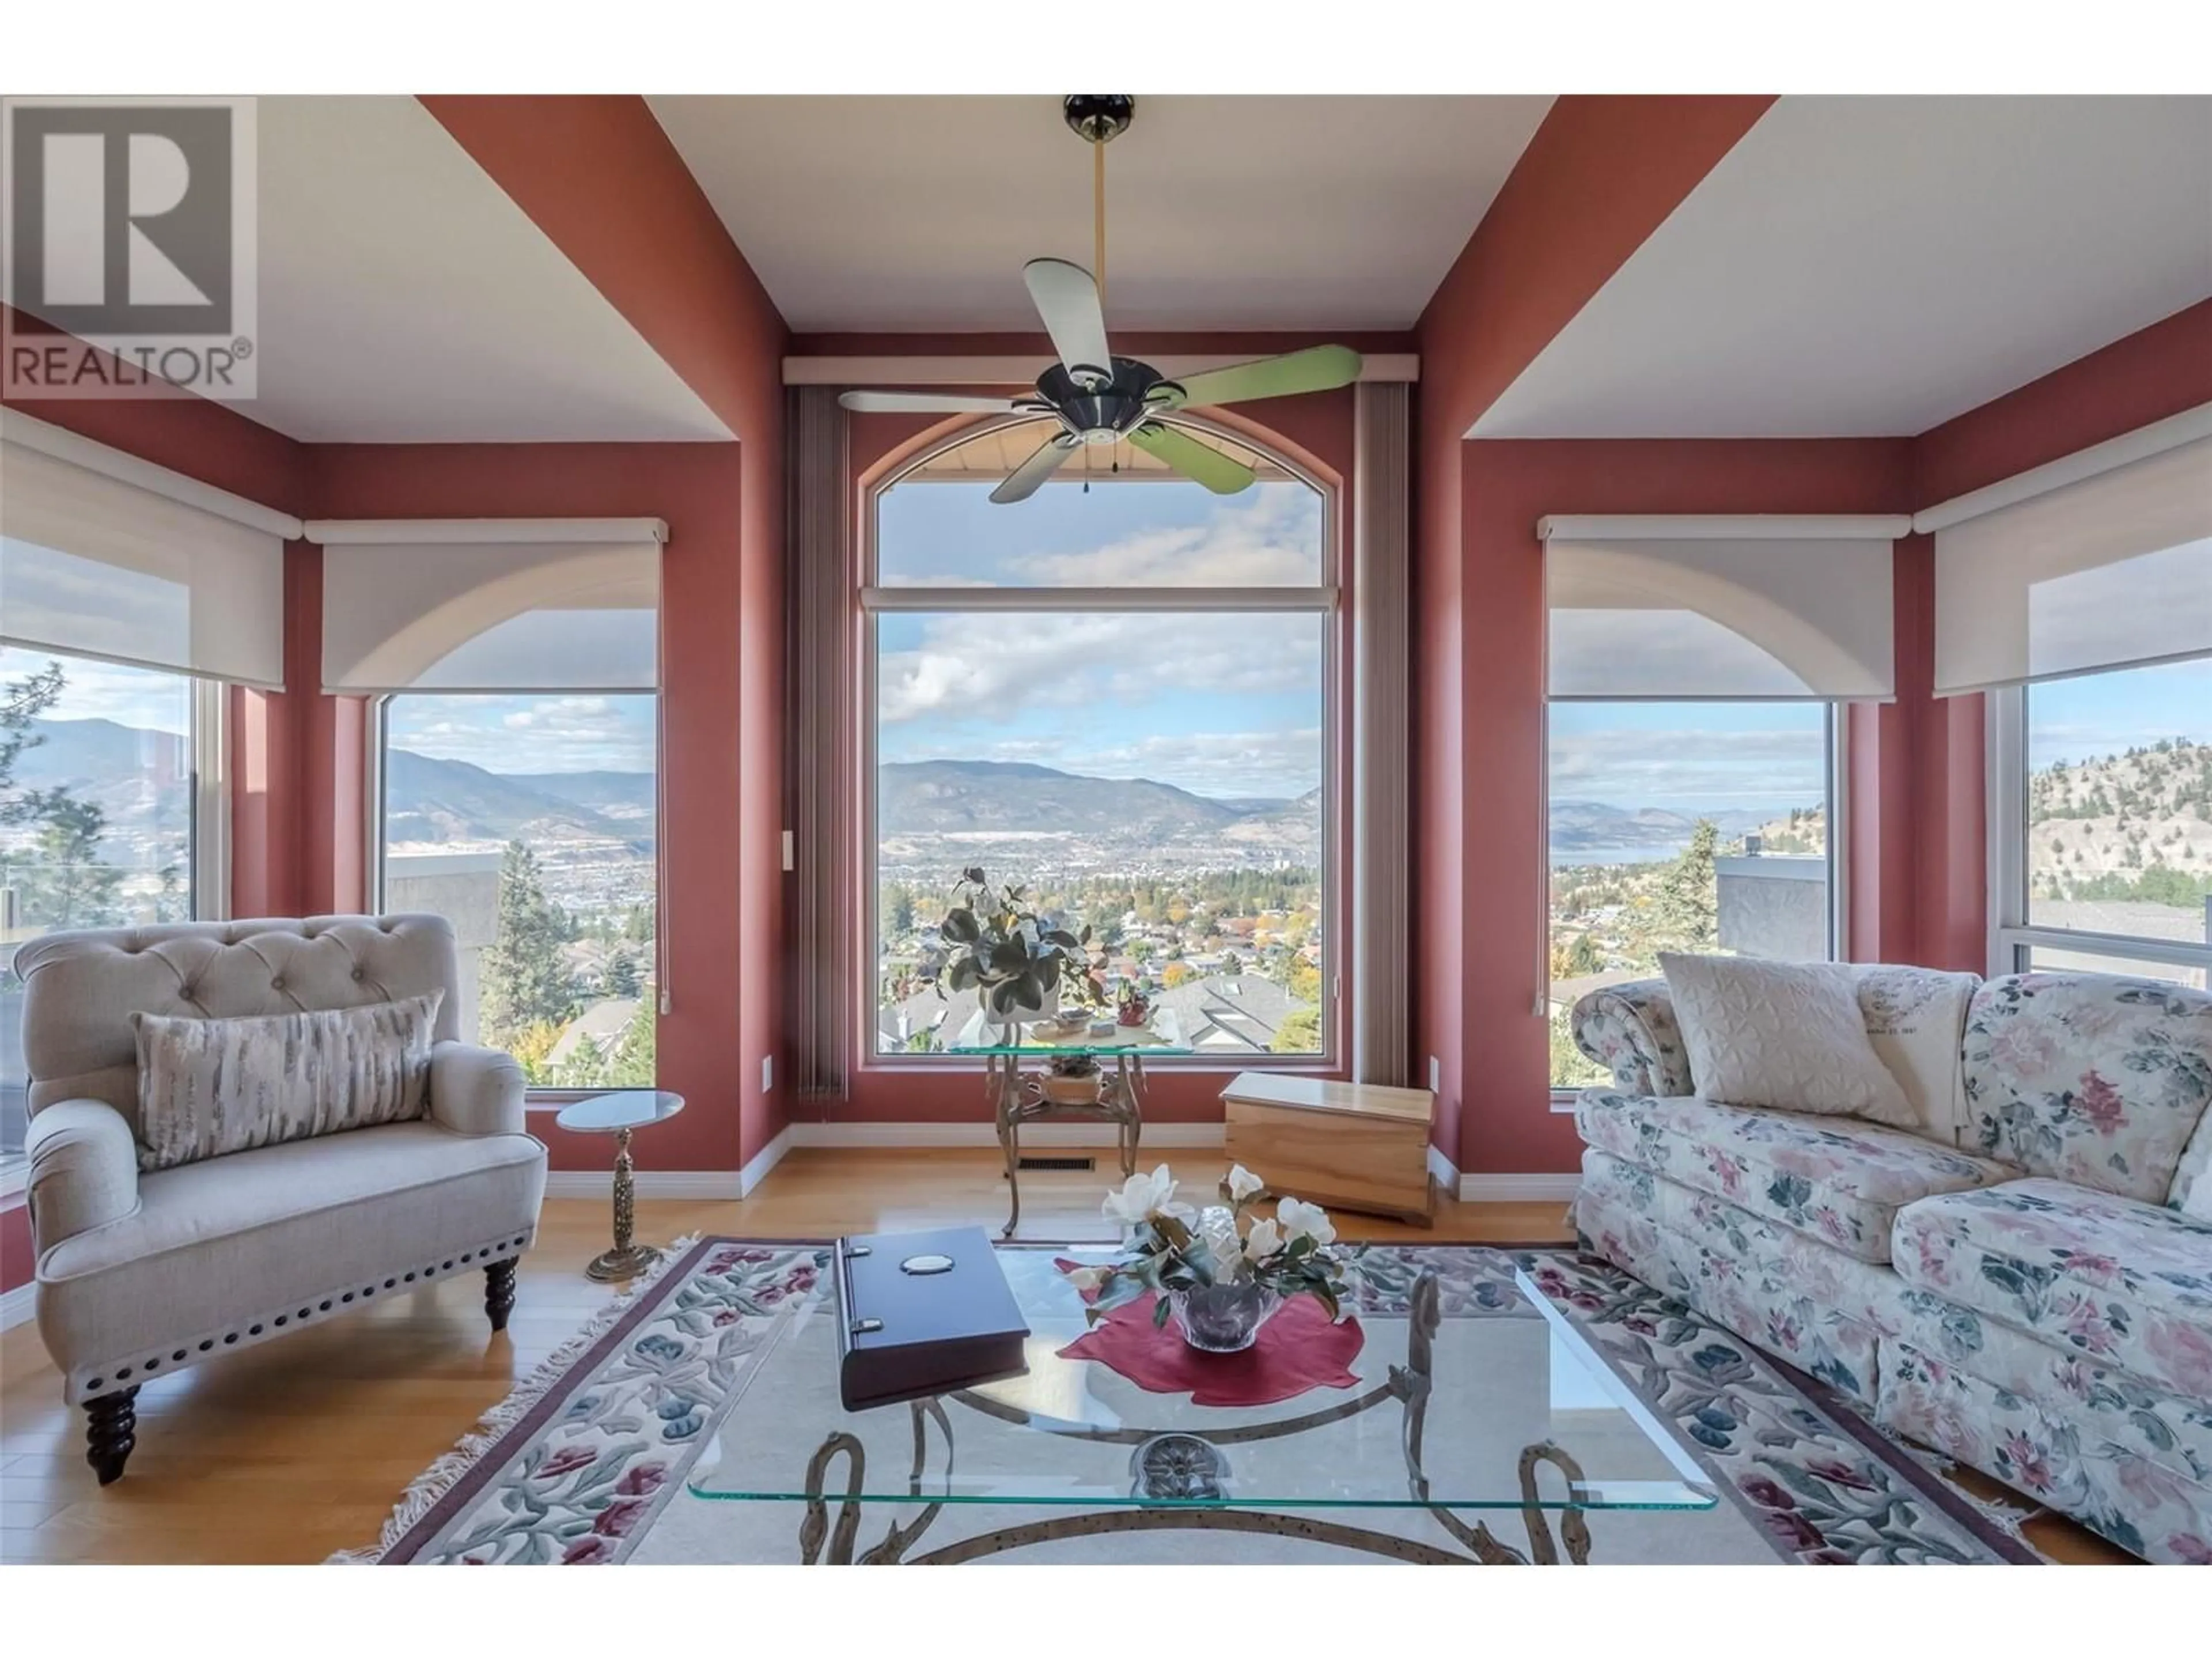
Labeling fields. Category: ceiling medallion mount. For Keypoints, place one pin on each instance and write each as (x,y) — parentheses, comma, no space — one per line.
(1098,117)
(1099,399)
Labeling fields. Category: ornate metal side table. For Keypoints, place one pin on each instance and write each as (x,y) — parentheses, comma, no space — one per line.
(1015,1101)
(620,1112)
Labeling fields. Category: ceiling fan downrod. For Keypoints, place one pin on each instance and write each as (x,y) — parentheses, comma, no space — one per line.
(1098,119)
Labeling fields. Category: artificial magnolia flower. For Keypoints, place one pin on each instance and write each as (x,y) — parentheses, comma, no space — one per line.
(1263,1241)
(1242,1184)
(1300,1220)
(1140,1197)
(1088,1279)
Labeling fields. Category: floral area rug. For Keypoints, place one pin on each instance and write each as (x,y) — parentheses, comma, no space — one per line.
(586,1463)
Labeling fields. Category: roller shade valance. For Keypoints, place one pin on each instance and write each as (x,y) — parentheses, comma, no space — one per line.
(93,565)
(491,605)
(2112,570)
(1683,609)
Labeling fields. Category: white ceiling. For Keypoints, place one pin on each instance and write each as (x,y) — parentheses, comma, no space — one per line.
(405,298)
(1873,266)
(914,214)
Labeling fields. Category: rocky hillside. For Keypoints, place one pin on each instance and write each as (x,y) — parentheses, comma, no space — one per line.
(2121,816)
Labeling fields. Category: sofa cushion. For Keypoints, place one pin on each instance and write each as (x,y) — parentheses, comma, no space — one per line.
(2096,1078)
(1787,1034)
(232,1238)
(210,1086)
(2127,1282)
(1837,1180)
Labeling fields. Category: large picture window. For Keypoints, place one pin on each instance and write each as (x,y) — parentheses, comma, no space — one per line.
(1118,695)
(2102,821)
(1682,826)
(531,823)
(103,814)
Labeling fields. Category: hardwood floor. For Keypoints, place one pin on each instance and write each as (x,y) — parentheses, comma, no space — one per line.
(296,1449)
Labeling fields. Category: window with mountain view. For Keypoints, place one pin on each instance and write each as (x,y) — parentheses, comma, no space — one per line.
(530,823)
(2113,870)
(97,805)
(1684,826)
(1152,761)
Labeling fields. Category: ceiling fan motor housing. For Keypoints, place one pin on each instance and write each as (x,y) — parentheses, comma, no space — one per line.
(1100,414)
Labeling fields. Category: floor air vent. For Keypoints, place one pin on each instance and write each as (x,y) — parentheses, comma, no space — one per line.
(1028,1162)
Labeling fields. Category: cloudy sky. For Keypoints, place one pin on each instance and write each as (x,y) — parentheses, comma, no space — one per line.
(1223,705)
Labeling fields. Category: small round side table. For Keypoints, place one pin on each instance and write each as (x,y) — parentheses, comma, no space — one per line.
(621,1111)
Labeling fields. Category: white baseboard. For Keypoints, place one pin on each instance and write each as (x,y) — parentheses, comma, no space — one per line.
(1164,1135)
(1442,1169)
(767,1159)
(18,1304)
(1517,1188)
(650,1183)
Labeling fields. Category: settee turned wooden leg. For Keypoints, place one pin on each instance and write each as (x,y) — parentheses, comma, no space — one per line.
(111,1431)
(499,1291)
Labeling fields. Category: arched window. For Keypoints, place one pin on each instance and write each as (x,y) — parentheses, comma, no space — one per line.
(1116,694)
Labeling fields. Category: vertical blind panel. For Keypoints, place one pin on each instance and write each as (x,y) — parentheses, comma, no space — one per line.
(2112,571)
(92,567)
(491,616)
(1720,618)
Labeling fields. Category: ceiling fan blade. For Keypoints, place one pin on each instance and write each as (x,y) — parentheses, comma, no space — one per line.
(923,402)
(1024,480)
(1317,369)
(1068,300)
(1198,462)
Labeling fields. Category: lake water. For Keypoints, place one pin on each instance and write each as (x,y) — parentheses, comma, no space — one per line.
(1576,857)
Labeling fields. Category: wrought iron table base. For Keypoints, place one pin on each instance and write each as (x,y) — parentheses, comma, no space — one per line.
(628,1258)
(1409,1384)
(1120,1102)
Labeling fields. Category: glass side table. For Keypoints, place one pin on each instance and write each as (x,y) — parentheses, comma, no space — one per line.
(1016,1100)
(620,1112)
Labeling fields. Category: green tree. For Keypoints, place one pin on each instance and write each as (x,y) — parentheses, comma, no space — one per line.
(1299,1034)
(525,978)
(1684,913)
(632,1065)
(1584,956)
(65,885)
(899,910)
(622,975)
(1304,982)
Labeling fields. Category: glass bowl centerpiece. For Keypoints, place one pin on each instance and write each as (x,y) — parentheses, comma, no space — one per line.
(1219,1272)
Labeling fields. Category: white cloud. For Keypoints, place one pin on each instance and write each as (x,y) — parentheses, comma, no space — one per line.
(1271,540)
(141,697)
(1636,767)
(527,734)
(992,667)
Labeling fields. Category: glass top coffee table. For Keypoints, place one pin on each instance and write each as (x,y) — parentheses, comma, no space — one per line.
(1470,1397)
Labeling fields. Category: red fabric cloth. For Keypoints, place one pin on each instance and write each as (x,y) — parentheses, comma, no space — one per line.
(1296,1351)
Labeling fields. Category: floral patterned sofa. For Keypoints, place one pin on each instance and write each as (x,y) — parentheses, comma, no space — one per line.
(2025,1282)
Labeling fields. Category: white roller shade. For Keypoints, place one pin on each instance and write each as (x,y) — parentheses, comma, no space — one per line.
(92,565)
(491,605)
(2109,571)
(1680,609)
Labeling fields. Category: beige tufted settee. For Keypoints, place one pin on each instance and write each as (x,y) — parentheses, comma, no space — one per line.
(142,1274)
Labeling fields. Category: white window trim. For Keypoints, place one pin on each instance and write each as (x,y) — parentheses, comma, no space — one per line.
(211,801)
(1839,865)
(1324,599)
(2012,936)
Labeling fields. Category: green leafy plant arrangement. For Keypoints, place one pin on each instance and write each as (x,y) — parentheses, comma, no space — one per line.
(1169,1247)
(1003,951)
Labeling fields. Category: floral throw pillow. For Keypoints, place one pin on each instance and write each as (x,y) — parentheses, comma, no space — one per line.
(211,1086)
(1788,1035)
(2096,1078)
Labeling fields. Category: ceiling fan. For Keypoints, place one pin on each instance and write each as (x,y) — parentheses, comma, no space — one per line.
(1100,398)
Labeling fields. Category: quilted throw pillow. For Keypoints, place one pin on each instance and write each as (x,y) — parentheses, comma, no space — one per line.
(211,1086)
(1783,1034)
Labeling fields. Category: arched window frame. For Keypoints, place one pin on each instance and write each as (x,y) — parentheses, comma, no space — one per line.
(1327,599)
